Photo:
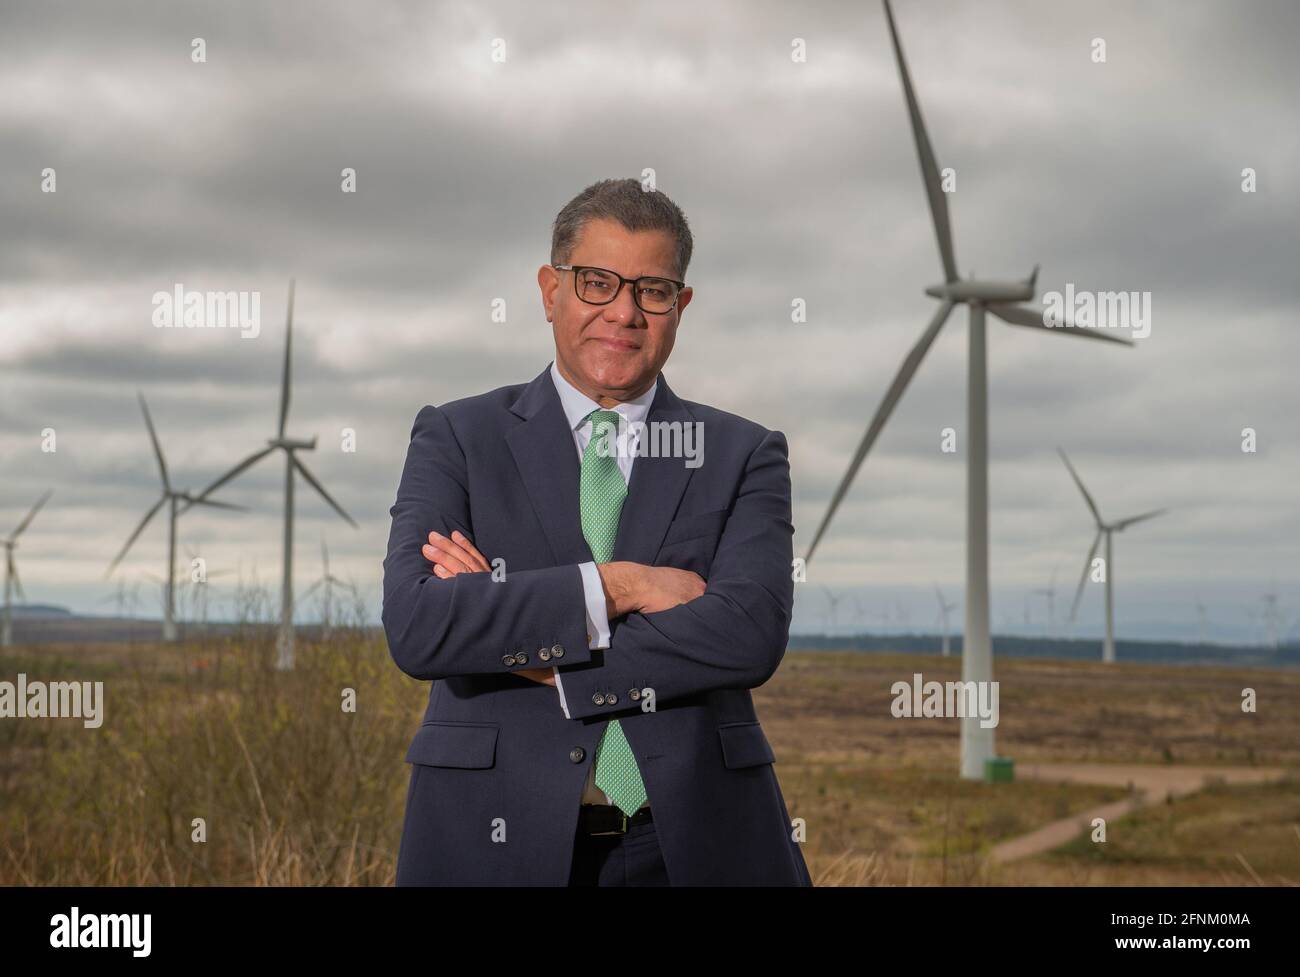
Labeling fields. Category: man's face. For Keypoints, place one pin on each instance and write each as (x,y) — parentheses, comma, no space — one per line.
(613,352)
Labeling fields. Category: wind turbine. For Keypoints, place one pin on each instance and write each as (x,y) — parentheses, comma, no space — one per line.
(979,296)
(170,497)
(1050,593)
(328,581)
(290,447)
(944,608)
(198,589)
(1270,620)
(1107,529)
(833,600)
(12,582)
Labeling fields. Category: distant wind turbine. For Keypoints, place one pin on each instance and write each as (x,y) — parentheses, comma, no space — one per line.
(170,497)
(290,447)
(1000,298)
(944,608)
(328,582)
(12,582)
(1050,593)
(1103,529)
(833,600)
(1270,620)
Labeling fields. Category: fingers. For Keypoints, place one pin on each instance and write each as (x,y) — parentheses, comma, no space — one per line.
(455,553)
(444,558)
(468,545)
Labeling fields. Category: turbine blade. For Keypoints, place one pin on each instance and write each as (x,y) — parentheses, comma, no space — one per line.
(215,504)
(1132,519)
(892,396)
(929,168)
(309,591)
(325,556)
(1021,315)
(288,347)
(1077,481)
(302,469)
(31,515)
(13,574)
(1083,578)
(247,463)
(138,530)
(157,448)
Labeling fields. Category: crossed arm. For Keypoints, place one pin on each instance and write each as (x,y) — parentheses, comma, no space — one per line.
(669,631)
(627,586)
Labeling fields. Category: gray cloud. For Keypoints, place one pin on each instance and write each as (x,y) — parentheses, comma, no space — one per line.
(800,181)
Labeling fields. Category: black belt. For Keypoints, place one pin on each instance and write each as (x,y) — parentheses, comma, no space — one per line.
(607,819)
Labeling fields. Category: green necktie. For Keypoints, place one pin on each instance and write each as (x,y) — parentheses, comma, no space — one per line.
(602,491)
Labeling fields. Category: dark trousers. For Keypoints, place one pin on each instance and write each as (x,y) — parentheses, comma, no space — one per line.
(628,859)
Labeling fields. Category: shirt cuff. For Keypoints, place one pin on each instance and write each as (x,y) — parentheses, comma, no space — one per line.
(597,615)
(560,688)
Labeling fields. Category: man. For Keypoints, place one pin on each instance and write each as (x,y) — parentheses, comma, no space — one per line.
(593,613)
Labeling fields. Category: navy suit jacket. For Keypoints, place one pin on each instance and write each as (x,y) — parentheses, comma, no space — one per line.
(497,771)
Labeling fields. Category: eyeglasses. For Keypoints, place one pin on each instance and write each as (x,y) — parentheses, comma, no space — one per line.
(600,286)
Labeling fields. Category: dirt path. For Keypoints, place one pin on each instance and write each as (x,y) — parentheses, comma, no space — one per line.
(1149,785)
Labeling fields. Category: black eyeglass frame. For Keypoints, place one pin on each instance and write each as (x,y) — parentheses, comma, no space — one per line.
(636,297)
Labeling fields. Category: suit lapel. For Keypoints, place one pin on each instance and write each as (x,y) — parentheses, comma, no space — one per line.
(547,459)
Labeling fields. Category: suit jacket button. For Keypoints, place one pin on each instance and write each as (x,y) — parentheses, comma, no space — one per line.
(557,651)
(521,659)
(544,654)
(598,699)
(634,694)
(611,699)
(576,754)
(508,660)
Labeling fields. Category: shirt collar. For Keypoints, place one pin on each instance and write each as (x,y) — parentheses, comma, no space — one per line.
(578,406)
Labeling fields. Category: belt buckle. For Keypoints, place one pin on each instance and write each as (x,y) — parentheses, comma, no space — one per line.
(622,829)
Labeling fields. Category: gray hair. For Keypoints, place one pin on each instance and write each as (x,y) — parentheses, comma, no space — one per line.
(627,203)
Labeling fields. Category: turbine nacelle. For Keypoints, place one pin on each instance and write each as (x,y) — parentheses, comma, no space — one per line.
(971,290)
(292,444)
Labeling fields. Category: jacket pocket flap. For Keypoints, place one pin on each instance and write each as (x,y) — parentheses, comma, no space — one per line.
(700,524)
(744,745)
(463,745)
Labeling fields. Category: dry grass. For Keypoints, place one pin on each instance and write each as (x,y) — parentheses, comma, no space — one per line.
(294,791)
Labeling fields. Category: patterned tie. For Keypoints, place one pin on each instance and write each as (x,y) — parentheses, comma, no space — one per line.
(602,491)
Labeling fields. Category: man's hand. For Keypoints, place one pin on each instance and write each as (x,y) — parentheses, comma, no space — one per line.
(457,554)
(453,555)
(636,587)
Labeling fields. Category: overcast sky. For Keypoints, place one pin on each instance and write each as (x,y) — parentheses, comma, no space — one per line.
(800,181)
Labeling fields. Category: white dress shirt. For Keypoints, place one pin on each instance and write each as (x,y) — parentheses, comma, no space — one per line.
(577,407)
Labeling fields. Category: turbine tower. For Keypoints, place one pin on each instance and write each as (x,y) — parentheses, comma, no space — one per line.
(1106,529)
(944,608)
(170,497)
(979,296)
(290,447)
(12,582)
